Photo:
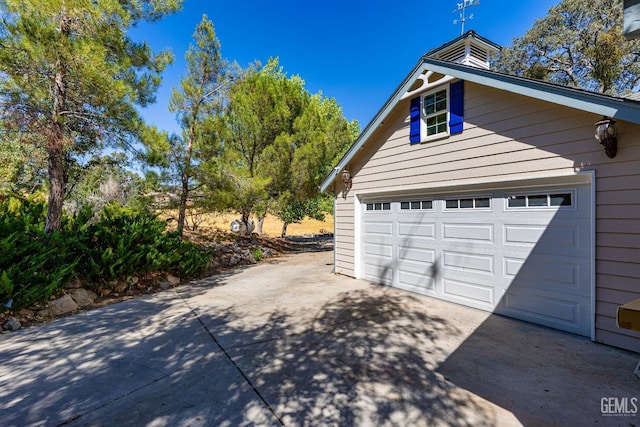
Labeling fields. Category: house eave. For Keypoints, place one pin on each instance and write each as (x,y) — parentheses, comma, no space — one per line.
(605,105)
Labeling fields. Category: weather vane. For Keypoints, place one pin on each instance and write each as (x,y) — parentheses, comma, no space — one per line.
(462,9)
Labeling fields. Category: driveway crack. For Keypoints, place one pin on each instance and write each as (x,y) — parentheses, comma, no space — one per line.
(235,365)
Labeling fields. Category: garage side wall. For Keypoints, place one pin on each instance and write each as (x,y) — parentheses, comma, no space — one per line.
(509,137)
(344,233)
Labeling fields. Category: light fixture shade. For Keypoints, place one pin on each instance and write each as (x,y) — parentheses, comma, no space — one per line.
(601,132)
(606,134)
(631,19)
(346,179)
(605,129)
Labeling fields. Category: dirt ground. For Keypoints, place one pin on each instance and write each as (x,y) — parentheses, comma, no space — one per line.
(272,225)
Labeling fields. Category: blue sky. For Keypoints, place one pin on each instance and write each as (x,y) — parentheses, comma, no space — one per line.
(354,51)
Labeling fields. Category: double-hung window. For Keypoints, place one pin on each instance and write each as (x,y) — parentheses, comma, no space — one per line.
(435,114)
(438,113)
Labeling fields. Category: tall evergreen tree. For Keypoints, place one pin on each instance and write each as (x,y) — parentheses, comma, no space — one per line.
(279,143)
(263,105)
(299,161)
(198,98)
(72,77)
(579,45)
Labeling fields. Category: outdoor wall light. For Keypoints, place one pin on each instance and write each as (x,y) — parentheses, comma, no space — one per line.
(606,134)
(346,179)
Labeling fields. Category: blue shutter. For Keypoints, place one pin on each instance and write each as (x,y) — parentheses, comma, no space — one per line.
(414,114)
(456,110)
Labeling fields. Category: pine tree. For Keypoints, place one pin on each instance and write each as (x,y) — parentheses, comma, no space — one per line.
(72,78)
(263,105)
(195,102)
(280,142)
(577,45)
(299,161)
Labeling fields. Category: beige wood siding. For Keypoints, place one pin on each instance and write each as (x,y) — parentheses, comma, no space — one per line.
(507,137)
(344,233)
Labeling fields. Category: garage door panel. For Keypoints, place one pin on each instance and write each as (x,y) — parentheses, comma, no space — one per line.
(565,314)
(474,294)
(542,268)
(545,275)
(467,232)
(426,229)
(422,269)
(421,255)
(416,280)
(378,249)
(467,261)
(378,228)
(378,272)
(552,238)
(409,242)
(539,307)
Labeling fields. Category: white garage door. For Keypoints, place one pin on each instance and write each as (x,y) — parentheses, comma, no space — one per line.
(524,254)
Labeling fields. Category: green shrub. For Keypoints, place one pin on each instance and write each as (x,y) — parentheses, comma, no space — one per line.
(257,254)
(6,287)
(35,265)
(129,241)
(183,258)
(120,244)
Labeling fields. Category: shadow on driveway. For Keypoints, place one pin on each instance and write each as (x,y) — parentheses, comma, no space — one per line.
(293,344)
(367,359)
(544,376)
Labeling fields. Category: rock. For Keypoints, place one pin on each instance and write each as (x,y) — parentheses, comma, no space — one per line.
(63,305)
(165,285)
(83,297)
(173,279)
(12,324)
(25,312)
(120,287)
(75,284)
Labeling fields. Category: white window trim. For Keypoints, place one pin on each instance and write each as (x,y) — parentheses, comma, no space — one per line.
(377,211)
(423,117)
(474,208)
(418,199)
(572,191)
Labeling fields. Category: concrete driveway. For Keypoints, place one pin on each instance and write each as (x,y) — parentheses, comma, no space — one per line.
(290,343)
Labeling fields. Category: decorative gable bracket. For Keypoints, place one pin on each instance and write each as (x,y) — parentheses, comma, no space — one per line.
(427,80)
